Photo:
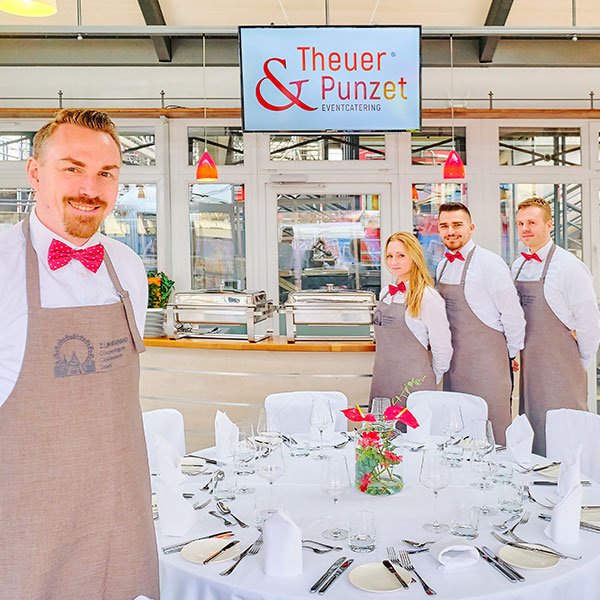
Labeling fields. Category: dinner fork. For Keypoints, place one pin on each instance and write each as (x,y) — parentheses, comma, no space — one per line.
(407,564)
(524,518)
(253,549)
(519,540)
(417,544)
(532,499)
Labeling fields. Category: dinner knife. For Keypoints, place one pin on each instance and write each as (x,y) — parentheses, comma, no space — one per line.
(339,571)
(388,565)
(178,547)
(503,563)
(498,566)
(532,548)
(219,552)
(582,525)
(338,563)
(544,467)
(583,483)
(210,461)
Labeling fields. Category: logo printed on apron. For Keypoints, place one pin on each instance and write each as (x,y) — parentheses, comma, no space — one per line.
(111,351)
(377,317)
(73,355)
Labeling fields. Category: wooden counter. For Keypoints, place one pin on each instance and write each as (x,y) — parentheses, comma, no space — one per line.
(276,343)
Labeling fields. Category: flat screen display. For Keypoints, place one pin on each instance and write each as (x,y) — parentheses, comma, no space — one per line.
(312,79)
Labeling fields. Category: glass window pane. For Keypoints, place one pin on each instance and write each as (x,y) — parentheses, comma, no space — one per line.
(133,221)
(427,198)
(224,144)
(327,147)
(218,236)
(15,203)
(431,145)
(540,146)
(565,201)
(328,239)
(16,145)
(138,148)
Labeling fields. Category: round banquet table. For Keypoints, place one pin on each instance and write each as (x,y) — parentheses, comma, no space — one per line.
(399,516)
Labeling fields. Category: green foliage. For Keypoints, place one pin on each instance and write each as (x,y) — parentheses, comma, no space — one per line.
(408,389)
(158,295)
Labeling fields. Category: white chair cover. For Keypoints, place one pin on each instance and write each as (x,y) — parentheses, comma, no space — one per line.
(168,423)
(293,409)
(566,429)
(472,407)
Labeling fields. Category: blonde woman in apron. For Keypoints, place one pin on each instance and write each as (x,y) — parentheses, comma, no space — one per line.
(412,333)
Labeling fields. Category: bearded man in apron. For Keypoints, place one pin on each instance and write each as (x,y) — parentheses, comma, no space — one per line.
(563,321)
(486,319)
(75,501)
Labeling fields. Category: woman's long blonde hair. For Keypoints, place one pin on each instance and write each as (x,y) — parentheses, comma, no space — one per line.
(419,275)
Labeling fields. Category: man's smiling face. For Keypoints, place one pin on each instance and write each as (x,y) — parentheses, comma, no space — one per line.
(76,181)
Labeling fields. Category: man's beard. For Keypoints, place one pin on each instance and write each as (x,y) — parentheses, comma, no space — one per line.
(82,226)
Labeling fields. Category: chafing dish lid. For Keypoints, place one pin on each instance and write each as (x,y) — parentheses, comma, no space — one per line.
(312,297)
(219,297)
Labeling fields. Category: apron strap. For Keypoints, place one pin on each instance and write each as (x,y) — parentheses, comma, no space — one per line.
(464,272)
(439,279)
(32,272)
(547,265)
(126,300)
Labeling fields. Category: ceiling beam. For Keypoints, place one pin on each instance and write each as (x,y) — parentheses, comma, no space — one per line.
(496,17)
(153,15)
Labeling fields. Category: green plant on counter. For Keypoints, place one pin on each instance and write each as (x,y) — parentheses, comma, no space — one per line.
(159,289)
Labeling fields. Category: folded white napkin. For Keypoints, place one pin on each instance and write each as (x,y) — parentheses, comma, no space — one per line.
(519,439)
(423,415)
(168,461)
(453,554)
(226,435)
(177,516)
(566,514)
(282,546)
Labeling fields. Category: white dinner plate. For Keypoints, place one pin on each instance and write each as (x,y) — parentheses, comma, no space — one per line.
(551,471)
(374,577)
(266,440)
(590,515)
(527,559)
(190,464)
(200,550)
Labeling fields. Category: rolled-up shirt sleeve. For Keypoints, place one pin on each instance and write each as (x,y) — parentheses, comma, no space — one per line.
(433,316)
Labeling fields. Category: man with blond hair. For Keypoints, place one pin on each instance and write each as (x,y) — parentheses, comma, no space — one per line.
(563,322)
(75,502)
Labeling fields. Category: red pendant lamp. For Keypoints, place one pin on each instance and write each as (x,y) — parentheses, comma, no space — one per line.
(206,169)
(454,167)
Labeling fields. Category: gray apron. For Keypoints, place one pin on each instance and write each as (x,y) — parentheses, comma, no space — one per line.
(399,356)
(75,500)
(552,375)
(480,363)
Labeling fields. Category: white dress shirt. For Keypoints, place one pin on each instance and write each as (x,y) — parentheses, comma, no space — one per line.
(569,292)
(431,328)
(489,292)
(72,285)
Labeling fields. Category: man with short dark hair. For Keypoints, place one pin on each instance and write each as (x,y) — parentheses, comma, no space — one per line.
(486,320)
(75,500)
(563,321)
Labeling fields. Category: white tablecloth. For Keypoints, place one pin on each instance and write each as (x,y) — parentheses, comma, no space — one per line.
(399,516)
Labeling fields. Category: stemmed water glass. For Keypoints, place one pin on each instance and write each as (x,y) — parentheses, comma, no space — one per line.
(244,456)
(483,445)
(452,425)
(335,482)
(270,465)
(321,418)
(435,475)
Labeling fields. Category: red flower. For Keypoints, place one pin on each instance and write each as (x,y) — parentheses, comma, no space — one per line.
(392,457)
(370,438)
(401,414)
(365,481)
(354,414)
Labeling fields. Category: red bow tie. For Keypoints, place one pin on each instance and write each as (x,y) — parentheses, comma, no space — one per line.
(394,290)
(60,254)
(529,257)
(452,257)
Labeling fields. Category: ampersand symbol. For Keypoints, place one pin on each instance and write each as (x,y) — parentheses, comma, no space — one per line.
(294,99)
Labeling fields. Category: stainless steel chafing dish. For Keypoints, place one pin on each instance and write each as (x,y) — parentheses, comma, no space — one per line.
(209,313)
(330,307)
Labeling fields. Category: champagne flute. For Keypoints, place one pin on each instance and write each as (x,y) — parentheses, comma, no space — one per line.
(335,482)
(321,418)
(435,475)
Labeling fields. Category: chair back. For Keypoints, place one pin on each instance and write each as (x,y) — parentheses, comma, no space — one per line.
(168,423)
(472,407)
(293,410)
(568,428)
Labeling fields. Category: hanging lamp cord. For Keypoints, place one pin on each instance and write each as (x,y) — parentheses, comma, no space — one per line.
(452,91)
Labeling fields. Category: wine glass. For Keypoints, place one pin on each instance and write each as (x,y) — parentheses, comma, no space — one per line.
(244,456)
(335,482)
(452,420)
(435,475)
(483,445)
(270,465)
(268,428)
(321,418)
(378,407)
